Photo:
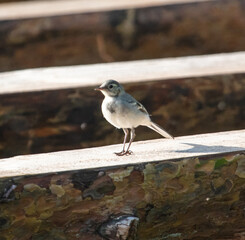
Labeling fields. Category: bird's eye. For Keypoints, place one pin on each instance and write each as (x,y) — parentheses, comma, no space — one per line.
(110,86)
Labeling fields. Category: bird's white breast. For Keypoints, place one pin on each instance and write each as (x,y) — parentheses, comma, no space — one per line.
(109,116)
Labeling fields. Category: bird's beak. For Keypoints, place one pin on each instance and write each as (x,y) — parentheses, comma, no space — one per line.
(99,89)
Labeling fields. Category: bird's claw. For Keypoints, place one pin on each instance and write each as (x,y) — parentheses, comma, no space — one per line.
(129,152)
(123,153)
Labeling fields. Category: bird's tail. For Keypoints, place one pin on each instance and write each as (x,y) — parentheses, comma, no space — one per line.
(159,130)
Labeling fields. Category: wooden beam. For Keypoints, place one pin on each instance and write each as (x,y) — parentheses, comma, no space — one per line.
(131,71)
(35,9)
(155,193)
(144,152)
(125,35)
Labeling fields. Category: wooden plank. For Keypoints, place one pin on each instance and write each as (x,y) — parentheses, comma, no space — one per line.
(123,35)
(132,71)
(153,194)
(144,152)
(34,9)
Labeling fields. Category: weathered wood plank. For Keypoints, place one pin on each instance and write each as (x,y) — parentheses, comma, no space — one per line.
(154,194)
(123,35)
(35,9)
(144,152)
(132,71)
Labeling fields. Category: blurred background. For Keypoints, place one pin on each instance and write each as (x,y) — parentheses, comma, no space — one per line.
(36,34)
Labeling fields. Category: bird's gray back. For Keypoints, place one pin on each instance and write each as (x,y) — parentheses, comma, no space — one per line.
(133,103)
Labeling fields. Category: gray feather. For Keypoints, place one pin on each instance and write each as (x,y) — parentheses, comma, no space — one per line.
(160,130)
(111,107)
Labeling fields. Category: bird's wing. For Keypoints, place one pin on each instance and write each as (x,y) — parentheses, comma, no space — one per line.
(133,102)
(140,107)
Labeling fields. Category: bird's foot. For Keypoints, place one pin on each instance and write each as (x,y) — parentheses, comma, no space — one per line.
(123,153)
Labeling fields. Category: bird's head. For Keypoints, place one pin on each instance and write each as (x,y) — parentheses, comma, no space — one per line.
(111,88)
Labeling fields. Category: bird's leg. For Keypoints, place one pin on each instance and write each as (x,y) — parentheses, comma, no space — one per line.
(124,142)
(132,136)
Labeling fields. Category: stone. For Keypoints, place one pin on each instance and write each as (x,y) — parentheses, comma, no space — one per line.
(120,228)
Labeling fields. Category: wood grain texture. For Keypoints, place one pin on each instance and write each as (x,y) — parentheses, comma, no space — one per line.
(199,194)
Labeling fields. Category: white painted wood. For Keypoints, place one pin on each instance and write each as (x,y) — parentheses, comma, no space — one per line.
(45,8)
(124,72)
(144,151)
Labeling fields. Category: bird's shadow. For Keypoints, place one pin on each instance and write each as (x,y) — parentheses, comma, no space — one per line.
(198,148)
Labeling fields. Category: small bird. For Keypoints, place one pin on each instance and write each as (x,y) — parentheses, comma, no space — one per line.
(123,111)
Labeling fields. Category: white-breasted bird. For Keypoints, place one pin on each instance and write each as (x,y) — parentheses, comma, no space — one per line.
(123,111)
